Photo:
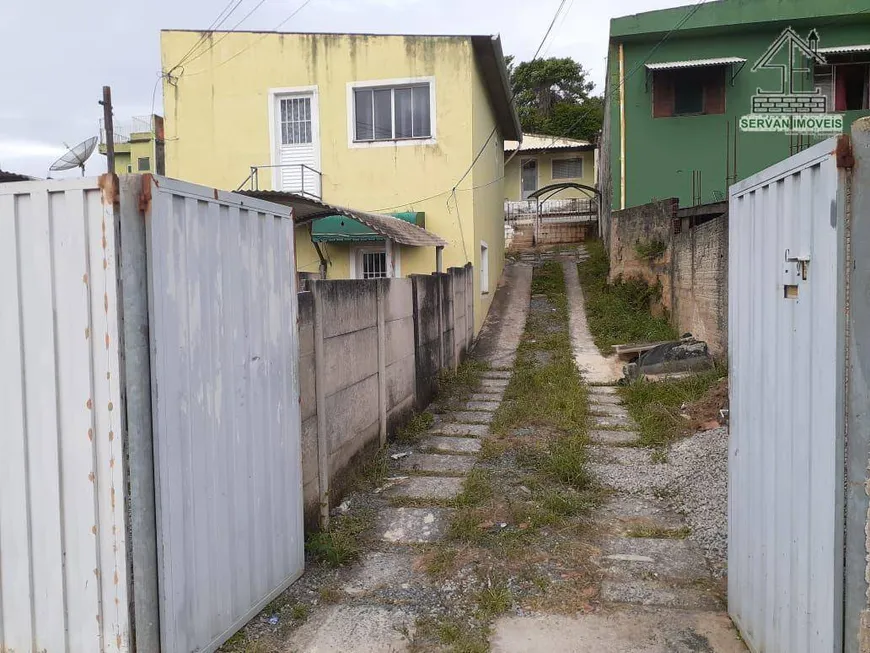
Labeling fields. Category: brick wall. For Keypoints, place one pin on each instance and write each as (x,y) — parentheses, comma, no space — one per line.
(779,104)
(692,271)
(699,300)
(555,233)
(643,225)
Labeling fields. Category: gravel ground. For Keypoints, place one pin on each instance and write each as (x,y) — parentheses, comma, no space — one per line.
(700,491)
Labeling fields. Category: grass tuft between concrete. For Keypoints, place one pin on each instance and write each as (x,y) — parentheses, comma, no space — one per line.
(619,312)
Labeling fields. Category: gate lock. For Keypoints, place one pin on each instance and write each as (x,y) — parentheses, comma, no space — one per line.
(796,270)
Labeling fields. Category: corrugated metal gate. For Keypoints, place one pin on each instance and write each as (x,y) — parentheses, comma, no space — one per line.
(788,459)
(226,409)
(150,451)
(62,529)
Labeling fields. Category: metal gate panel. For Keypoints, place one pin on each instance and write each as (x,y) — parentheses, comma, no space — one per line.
(785,553)
(63,569)
(227,434)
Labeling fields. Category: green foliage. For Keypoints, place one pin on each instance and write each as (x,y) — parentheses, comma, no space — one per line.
(411,432)
(656,406)
(553,97)
(341,543)
(619,312)
(651,250)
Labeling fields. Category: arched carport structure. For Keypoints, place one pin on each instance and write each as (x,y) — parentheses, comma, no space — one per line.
(592,206)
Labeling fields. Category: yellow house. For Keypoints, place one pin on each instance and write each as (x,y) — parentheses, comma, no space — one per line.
(545,160)
(138,145)
(410,125)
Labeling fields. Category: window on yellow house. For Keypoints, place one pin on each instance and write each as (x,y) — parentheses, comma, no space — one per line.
(567,168)
(387,113)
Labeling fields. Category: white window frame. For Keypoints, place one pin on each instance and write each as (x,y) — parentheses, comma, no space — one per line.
(567,158)
(356,252)
(484,268)
(276,94)
(390,83)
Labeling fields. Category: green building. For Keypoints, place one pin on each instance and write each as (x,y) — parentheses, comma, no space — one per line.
(138,145)
(701,96)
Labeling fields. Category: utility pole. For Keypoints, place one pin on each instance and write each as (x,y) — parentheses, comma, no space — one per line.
(109,128)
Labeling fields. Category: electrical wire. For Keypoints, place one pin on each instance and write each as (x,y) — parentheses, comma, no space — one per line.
(637,67)
(217,22)
(225,34)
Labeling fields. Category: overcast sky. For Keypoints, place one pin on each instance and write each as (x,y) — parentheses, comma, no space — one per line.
(57,54)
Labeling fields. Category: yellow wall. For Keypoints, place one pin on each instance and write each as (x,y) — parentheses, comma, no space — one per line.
(216,113)
(128,154)
(545,173)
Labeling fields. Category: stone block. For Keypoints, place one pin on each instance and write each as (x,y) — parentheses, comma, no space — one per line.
(451,445)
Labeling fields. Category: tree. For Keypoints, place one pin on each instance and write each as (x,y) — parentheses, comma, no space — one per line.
(553,97)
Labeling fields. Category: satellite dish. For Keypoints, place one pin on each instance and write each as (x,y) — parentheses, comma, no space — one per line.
(75,156)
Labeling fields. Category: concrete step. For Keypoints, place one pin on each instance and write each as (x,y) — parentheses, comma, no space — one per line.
(485,406)
(487,396)
(382,570)
(604,400)
(629,456)
(630,558)
(608,409)
(452,445)
(461,430)
(602,390)
(353,628)
(657,593)
(436,463)
(496,374)
(412,525)
(613,422)
(470,417)
(427,487)
(632,512)
(497,384)
(613,437)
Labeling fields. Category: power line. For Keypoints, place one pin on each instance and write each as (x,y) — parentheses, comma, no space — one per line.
(637,67)
(217,22)
(231,30)
(255,41)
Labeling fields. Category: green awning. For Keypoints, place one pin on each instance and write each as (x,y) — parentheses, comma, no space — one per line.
(339,229)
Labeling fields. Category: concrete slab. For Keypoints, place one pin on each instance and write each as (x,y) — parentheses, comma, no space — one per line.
(452,445)
(497,384)
(632,511)
(593,366)
(627,558)
(602,390)
(354,629)
(487,396)
(485,406)
(611,410)
(632,630)
(472,417)
(378,570)
(614,437)
(427,487)
(496,374)
(503,328)
(631,456)
(412,525)
(650,592)
(462,430)
(613,422)
(645,479)
(606,399)
(437,463)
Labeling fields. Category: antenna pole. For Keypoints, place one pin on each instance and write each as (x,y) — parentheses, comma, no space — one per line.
(109,128)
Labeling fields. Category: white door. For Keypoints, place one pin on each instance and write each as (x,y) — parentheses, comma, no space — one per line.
(298,144)
(529,177)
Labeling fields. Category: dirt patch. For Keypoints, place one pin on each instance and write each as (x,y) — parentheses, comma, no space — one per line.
(704,414)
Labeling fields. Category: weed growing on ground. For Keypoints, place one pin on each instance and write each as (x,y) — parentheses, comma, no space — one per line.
(494,599)
(454,634)
(619,312)
(657,406)
(416,427)
(476,489)
(658,533)
(459,384)
(342,542)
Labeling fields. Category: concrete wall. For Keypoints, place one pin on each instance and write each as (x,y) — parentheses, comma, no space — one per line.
(381,344)
(692,271)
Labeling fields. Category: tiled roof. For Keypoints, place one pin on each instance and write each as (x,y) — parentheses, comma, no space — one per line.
(543,142)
